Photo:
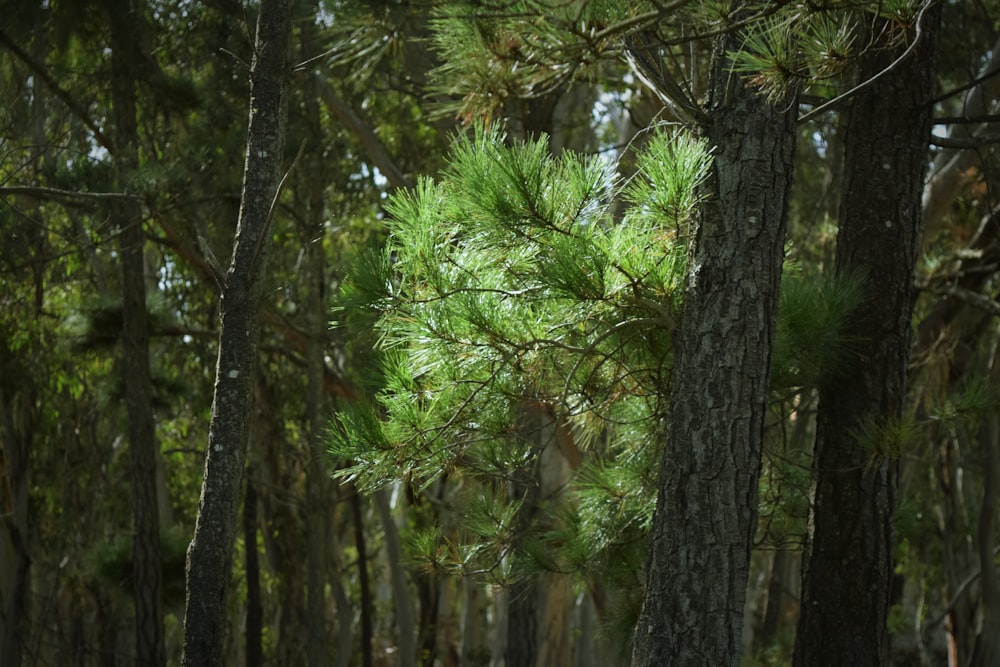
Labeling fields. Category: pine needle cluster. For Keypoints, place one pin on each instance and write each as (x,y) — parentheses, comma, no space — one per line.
(494,51)
(812,44)
(508,287)
(507,282)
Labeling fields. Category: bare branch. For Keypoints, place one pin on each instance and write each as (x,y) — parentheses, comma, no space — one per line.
(72,195)
(977,141)
(967,120)
(975,299)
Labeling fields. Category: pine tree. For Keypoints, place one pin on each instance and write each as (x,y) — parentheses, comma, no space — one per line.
(507,289)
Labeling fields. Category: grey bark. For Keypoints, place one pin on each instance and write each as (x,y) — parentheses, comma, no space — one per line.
(848,562)
(705,514)
(211,552)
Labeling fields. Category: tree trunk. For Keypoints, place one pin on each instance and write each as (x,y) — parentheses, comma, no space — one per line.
(402,599)
(345,631)
(706,509)
(211,552)
(147,573)
(987,649)
(17,415)
(848,563)
(277,477)
(314,182)
(363,582)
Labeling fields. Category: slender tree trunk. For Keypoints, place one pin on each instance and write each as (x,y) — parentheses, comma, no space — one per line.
(313,182)
(147,574)
(848,564)
(428,589)
(363,583)
(283,529)
(210,555)
(474,644)
(345,631)
(16,418)
(987,649)
(706,511)
(539,607)
(401,597)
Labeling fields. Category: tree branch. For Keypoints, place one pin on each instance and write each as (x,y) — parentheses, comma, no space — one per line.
(975,141)
(376,150)
(73,195)
(976,299)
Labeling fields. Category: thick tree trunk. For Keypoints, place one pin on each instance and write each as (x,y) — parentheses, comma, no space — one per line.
(147,574)
(848,563)
(211,552)
(706,509)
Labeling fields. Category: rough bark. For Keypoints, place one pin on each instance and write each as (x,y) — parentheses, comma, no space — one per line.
(211,552)
(147,575)
(705,514)
(848,564)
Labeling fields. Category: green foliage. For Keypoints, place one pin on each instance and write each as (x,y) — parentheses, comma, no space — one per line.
(110,562)
(666,189)
(509,284)
(810,343)
(771,57)
(964,408)
(496,51)
(799,45)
